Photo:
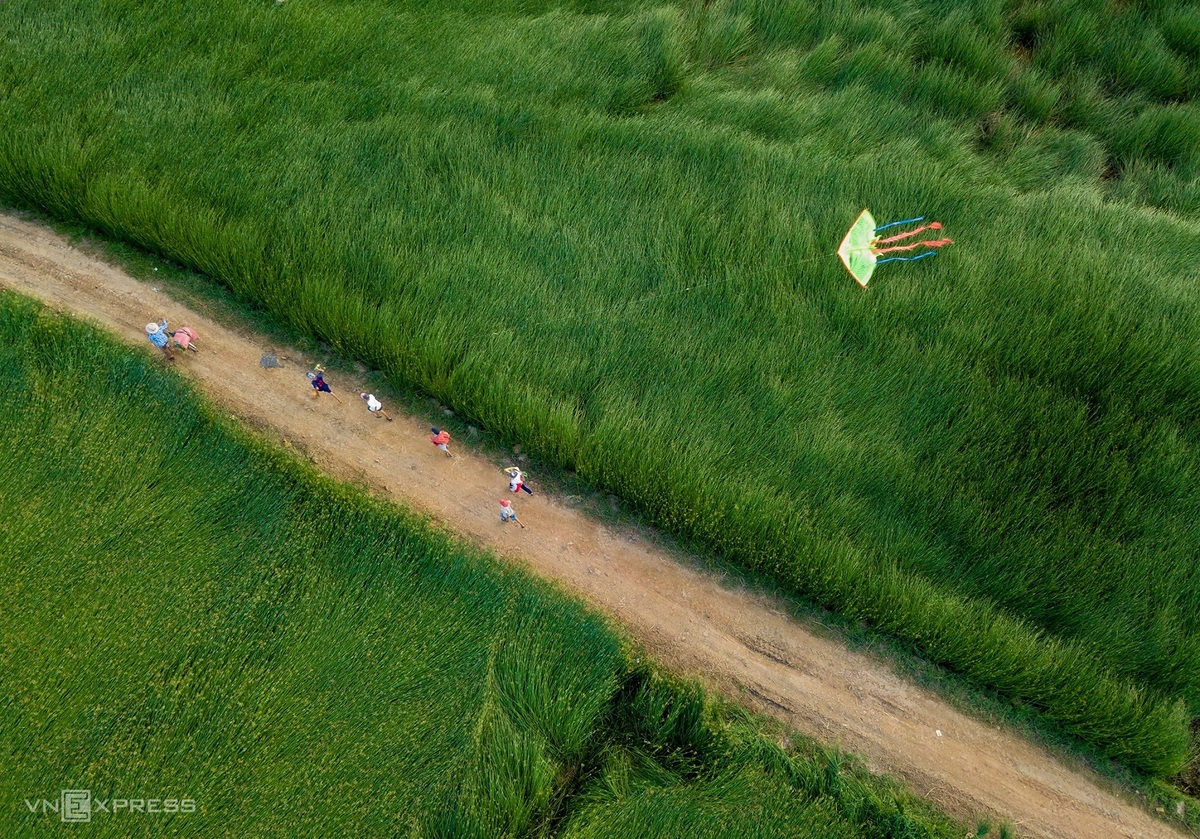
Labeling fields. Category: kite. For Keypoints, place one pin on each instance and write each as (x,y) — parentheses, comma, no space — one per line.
(861,248)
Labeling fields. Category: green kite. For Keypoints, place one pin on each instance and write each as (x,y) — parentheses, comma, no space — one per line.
(860,249)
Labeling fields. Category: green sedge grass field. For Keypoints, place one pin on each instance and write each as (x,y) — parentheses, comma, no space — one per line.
(192,615)
(606,230)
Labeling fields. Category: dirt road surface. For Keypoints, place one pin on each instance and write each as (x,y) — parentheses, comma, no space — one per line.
(737,642)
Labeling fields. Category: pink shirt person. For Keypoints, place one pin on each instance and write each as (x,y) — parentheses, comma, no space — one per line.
(185,337)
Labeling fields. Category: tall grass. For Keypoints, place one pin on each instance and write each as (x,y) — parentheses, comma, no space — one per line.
(608,234)
(191,615)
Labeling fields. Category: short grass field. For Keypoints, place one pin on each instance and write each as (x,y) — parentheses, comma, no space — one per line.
(606,230)
(193,616)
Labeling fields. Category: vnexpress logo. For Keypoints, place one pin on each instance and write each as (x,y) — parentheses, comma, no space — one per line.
(75,806)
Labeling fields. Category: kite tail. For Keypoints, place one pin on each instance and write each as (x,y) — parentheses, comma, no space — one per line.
(932,243)
(902,221)
(936,225)
(907,258)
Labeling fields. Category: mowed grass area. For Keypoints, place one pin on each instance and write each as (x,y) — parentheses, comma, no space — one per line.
(606,231)
(191,615)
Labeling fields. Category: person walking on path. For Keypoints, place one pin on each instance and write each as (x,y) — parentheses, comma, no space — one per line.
(157,334)
(320,385)
(516,480)
(441,439)
(507,513)
(185,337)
(374,405)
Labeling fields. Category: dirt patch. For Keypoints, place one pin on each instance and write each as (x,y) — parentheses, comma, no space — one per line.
(737,642)
(1189,779)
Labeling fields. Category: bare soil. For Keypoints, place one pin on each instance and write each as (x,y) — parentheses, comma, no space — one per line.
(690,620)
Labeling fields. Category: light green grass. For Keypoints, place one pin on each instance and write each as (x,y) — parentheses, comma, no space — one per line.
(300,660)
(607,232)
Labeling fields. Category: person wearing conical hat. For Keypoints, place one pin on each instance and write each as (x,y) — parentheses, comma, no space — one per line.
(158,335)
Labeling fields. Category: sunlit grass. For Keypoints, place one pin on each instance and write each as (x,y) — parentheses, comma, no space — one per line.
(192,615)
(607,231)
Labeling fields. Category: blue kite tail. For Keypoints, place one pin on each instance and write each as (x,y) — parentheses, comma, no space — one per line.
(902,221)
(906,258)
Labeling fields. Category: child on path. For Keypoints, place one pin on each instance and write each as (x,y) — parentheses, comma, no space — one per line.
(507,513)
(374,405)
(441,439)
(157,334)
(320,385)
(516,481)
(185,337)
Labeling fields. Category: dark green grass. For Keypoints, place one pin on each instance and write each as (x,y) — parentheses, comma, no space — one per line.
(609,236)
(201,293)
(300,660)
(291,657)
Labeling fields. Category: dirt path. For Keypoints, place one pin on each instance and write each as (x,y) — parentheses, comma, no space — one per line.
(740,643)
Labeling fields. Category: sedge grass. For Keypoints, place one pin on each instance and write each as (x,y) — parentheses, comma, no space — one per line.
(608,235)
(300,660)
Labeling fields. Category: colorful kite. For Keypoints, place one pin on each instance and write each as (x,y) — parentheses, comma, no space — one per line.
(861,248)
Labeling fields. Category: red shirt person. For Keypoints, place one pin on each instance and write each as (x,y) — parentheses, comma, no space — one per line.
(441,439)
